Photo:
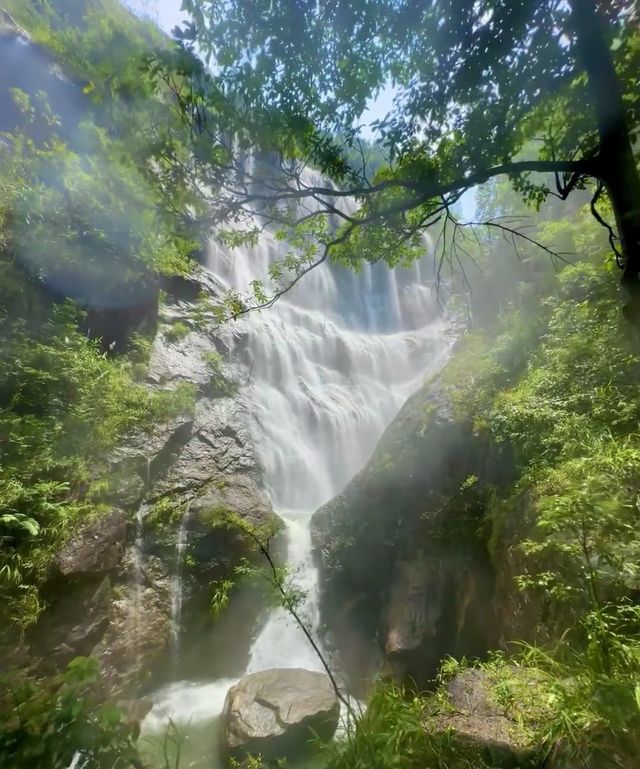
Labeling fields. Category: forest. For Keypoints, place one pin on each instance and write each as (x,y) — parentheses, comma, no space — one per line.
(319,406)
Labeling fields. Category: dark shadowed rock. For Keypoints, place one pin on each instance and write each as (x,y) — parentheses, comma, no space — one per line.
(408,622)
(402,540)
(609,756)
(73,623)
(277,712)
(96,548)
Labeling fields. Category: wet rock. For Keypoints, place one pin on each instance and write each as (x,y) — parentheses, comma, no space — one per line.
(146,456)
(138,629)
(277,712)
(95,549)
(217,548)
(219,443)
(407,619)
(237,494)
(134,711)
(72,624)
(480,728)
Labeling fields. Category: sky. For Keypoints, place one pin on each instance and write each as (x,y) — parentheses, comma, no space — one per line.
(166,13)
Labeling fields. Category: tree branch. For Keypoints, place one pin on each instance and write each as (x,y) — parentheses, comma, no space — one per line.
(599,218)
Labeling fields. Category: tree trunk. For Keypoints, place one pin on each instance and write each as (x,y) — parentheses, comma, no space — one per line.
(618,168)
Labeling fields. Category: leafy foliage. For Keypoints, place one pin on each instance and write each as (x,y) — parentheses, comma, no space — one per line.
(480,90)
(47,725)
(81,219)
(65,404)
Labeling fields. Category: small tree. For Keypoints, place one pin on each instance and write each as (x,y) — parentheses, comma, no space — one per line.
(287,594)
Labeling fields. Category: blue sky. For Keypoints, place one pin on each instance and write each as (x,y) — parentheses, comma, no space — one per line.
(166,13)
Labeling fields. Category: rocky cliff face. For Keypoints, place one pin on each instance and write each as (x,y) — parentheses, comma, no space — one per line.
(403,552)
(112,592)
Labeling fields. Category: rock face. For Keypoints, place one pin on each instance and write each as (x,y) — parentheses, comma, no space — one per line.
(276,713)
(96,549)
(111,594)
(399,549)
(76,620)
(138,630)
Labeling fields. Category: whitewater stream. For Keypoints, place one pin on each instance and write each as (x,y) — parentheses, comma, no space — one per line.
(330,365)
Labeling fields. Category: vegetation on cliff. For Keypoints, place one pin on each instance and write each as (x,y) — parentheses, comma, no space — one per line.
(85,236)
(534,458)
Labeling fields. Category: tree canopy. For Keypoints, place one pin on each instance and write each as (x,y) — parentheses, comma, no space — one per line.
(481,88)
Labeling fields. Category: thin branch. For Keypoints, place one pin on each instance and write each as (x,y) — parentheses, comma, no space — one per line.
(281,292)
(513,232)
(598,217)
(263,547)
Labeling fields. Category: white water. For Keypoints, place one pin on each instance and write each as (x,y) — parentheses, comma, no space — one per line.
(177,591)
(330,365)
(138,577)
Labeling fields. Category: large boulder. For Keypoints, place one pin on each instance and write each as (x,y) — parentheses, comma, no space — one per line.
(276,713)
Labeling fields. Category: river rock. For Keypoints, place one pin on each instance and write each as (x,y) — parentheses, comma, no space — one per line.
(276,713)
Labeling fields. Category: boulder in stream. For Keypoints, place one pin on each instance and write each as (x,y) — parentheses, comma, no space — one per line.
(275,713)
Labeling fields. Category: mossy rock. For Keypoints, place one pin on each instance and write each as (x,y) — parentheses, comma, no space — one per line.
(478,724)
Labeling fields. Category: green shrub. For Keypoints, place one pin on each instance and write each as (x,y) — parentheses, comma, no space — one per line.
(176,331)
(66,404)
(46,724)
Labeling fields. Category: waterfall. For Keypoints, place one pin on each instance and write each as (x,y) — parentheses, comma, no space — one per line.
(177,590)
(325,381)
(138,575)
(330,364)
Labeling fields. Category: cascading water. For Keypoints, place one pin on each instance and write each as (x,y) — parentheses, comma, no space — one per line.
(330,365)
(138,574)
(177,590)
